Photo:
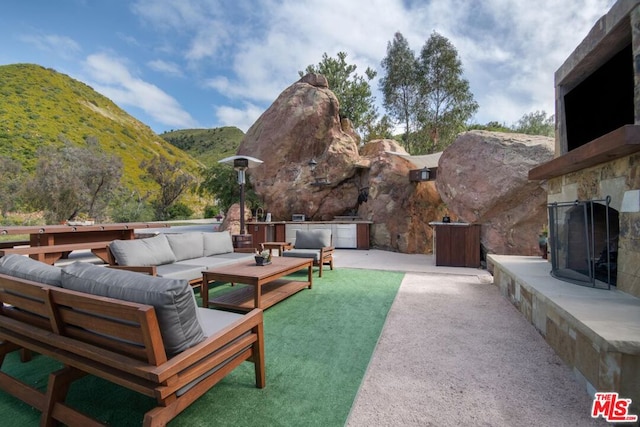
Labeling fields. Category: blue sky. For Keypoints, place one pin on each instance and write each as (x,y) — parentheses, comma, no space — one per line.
(208,63)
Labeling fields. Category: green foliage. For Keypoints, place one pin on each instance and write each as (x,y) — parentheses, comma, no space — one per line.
(426,94)
(220,181)
(352,90)
(43,108)
(382,129)
(446,101)
(130,206)
(536,123)
(206,145)
(491,126)
(71,180)
(211,211)
(11,179)
(399,86)
(173,181)
(179,210)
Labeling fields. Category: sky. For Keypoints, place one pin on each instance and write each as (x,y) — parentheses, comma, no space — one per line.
(209,63)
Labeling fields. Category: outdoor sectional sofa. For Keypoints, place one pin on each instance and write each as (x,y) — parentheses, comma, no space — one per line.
(176,256)
(141,332)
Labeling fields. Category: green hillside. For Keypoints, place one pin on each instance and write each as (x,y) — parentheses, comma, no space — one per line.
(40,106)
(206,145)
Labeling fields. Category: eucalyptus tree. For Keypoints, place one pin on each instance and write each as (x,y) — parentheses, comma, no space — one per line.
(399,86)
(352,90)
(445,100)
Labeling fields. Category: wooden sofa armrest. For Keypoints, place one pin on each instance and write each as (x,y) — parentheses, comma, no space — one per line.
(250,322)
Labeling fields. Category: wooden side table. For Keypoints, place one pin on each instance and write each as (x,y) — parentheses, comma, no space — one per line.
(280,246)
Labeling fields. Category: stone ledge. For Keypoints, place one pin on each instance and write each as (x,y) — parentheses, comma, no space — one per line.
(596,332)
(610,317)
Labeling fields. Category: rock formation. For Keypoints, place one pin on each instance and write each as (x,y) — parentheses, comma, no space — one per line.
(483,179)
(400,210)
(303,124)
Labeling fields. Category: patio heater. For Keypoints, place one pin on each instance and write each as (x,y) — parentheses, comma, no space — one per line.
(241,164)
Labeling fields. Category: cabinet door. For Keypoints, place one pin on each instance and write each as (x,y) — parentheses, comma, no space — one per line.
(345,236)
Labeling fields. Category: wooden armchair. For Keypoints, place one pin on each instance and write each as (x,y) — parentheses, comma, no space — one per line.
(314,244)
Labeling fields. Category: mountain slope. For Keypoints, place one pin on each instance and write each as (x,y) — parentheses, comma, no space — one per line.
(40,106)
(206,145)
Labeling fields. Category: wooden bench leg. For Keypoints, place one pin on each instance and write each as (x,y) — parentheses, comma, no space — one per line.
(55,410)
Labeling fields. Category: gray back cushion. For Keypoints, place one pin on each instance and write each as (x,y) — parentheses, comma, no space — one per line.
(313,239)
(217,243)
(26,268)
(186,245)
(143,252)
(173,299)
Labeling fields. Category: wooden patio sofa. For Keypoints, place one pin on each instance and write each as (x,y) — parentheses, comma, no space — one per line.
(49,254)
(119,341)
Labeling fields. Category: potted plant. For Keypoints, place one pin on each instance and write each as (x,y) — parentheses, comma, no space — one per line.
(543,241)
(263,258)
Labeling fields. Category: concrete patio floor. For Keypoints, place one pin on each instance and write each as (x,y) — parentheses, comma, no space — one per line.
(454,352)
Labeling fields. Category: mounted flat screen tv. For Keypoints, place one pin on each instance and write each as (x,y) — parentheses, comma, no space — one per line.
(602,102)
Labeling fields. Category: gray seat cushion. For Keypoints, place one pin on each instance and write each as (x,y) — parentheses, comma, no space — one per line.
(303,253)
(186,245)
(313,239)
(209,262)
(26,268)
(143,252)
(173,299)
(180,270)
(217,243)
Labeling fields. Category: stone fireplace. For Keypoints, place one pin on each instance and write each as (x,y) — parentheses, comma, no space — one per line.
(594,179)
(597,152)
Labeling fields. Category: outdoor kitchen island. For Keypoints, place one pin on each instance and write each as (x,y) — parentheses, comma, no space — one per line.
(346,234)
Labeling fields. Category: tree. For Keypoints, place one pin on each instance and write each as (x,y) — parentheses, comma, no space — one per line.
(382,129)
(400,86)
(220,181)
(352,90)
(173,182)
(445,102)
(10,184)
(70,180)
(536,123)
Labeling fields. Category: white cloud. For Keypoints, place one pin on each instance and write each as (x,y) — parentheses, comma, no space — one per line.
(113,79)
(252,51)
(169,68)
(61,45)
(241,118)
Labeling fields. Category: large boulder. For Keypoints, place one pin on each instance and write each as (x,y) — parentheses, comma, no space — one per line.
(303,124)
(399,209)
(483,179)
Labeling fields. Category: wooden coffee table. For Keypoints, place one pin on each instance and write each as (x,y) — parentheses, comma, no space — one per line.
(267,286)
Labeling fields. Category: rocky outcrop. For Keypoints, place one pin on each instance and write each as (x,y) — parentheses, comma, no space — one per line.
(303,124)
(400,210)
(483,179)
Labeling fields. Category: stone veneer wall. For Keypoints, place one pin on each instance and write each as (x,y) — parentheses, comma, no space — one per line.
(609,179)
(596,363)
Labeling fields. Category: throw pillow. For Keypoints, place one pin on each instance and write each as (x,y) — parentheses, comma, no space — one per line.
(26,268)
(143,252)
(172,299)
